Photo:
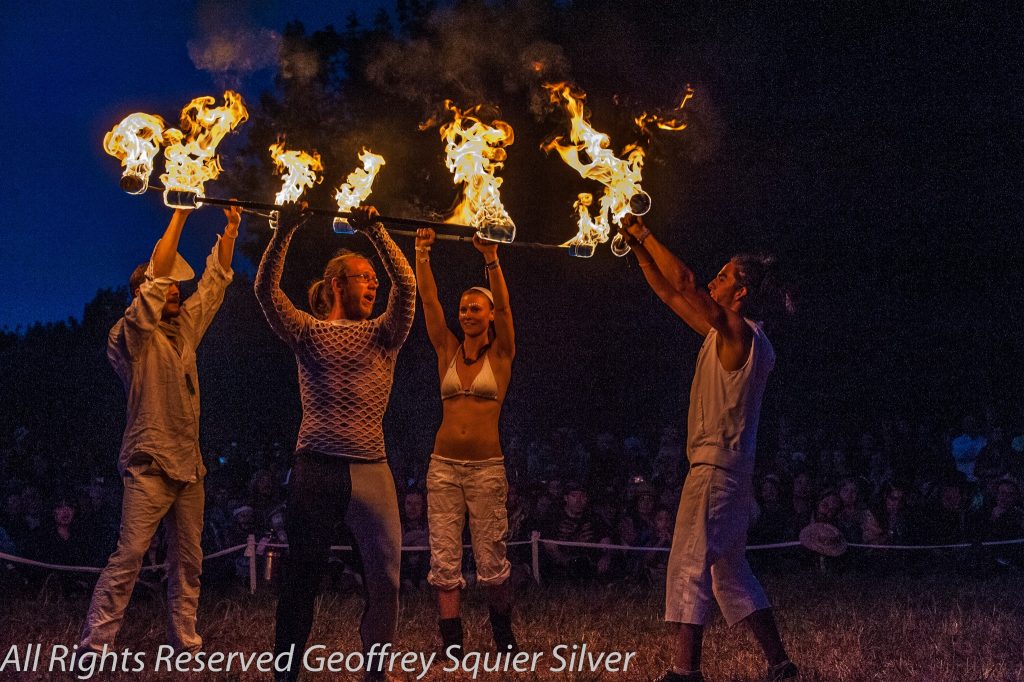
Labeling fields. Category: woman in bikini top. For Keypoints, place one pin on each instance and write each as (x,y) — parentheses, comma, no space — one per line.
(475,371)
(466,470)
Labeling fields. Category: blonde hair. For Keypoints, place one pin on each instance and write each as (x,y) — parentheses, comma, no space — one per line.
(321,295)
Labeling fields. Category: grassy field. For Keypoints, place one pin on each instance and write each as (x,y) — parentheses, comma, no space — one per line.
(934,626)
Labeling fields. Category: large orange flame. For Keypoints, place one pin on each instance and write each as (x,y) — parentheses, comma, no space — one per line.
(474,151)
(191,156)
(357,187)
(588,152)
(135,141)
(298,170)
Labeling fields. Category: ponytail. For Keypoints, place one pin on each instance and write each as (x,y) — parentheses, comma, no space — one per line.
(321,298)
(321,293)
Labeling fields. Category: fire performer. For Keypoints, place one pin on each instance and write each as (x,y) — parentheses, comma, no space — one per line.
(467,467)
(340,474)
(153,350)
(708,555)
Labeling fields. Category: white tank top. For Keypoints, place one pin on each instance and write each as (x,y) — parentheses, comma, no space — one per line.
(725,406)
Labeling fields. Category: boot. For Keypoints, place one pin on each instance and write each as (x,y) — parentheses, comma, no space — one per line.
(451,635)
(504,638)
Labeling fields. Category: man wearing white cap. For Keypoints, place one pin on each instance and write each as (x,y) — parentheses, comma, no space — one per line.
(153,350)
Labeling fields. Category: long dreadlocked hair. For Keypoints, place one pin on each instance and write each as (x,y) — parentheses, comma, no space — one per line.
(767,297)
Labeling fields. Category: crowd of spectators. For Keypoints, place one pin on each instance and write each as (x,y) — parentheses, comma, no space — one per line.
(893,485)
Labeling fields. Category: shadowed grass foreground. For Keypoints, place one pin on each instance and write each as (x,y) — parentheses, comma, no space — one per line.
(845,628)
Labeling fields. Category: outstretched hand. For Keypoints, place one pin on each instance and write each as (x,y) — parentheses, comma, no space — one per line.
(234,216)
(294,215)
(488,248)
(363,217)
(425,237)
(631,228)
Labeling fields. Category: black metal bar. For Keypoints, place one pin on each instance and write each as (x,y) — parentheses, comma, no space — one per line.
(408,222)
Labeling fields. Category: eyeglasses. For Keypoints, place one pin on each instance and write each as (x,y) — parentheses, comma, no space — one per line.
(365,278)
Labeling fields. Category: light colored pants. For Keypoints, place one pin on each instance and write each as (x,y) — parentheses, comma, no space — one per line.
(373,520)
(708,557)
(453,487)
(149,497)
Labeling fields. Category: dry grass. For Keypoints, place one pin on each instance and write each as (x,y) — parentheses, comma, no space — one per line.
(839,628)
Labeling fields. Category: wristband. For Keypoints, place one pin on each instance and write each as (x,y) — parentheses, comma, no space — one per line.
(493,265)
(643,235)
(422,249)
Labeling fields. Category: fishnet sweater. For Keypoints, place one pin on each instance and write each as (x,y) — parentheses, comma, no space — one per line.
(346,367)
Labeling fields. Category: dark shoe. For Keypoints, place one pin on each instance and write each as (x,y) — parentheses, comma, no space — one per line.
(451,634)
(504,638)
(782,671)
(670,676)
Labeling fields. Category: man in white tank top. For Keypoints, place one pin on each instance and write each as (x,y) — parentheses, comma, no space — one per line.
(708,557)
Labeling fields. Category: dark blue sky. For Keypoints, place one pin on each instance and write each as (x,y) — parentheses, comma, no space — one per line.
(68,73)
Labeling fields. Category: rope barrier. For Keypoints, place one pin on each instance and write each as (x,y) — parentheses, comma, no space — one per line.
(547,541)
(92,569)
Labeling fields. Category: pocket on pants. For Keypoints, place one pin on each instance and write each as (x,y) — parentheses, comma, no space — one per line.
(141,465)
(498,527)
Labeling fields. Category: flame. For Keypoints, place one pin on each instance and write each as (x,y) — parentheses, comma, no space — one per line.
(474,151)
(620,176)
(191,156)
(359,183)
(673,120)
(591,231)
(299,170)
(135,141)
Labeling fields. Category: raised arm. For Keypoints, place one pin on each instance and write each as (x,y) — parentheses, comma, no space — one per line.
(505,333)
(198,311)
(689,301)
(441,338)
(645,247)
(285,319)
(226,245)
(147,305)
(396,322)
(167,248)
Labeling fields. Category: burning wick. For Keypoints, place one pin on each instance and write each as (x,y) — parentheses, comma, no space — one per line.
(182,198)
(134,180)
(356,188)
(191,156)
(581,250)
(589,152)
(299,170)
(474,151)
(135,141)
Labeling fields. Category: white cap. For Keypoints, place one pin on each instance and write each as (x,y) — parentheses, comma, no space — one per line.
(181,271)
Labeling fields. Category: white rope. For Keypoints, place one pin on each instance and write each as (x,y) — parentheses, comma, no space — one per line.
(783,545)
(92,569)
(564,543)
(409,548)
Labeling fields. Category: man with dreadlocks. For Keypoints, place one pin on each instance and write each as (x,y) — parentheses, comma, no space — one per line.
(708,557)
(340,473)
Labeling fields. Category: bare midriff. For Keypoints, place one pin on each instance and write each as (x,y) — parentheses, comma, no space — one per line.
(469,429)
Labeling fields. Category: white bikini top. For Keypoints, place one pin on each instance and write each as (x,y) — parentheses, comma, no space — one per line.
(484,384)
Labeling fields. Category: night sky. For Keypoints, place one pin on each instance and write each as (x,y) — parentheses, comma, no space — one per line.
(878,149)
(69,71)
